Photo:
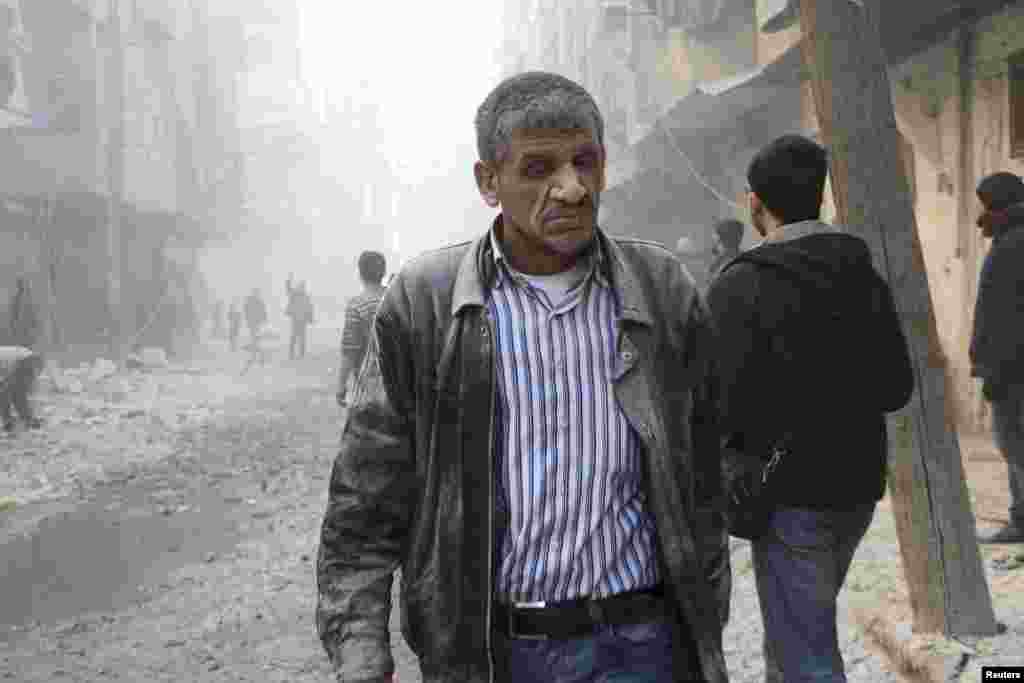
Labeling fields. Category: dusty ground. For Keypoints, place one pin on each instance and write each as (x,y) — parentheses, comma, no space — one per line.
(166,524)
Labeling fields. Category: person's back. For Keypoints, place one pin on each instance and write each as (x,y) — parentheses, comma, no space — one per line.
(359,313)
(811,355)
(826,335)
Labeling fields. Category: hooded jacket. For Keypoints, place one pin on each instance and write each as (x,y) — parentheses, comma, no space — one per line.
(811,348)
(997,343)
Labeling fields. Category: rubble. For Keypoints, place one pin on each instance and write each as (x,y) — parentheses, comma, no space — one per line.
(101,369)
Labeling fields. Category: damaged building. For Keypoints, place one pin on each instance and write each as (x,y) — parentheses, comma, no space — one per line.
(692,88)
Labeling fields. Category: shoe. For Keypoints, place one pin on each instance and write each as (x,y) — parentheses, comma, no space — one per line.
(1010,533)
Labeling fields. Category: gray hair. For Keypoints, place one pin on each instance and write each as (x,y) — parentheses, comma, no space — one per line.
(534,99)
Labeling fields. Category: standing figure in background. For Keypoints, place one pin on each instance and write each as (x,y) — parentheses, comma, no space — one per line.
(810,356)
(23,362)
(694,259)
(255,313)
(300,310)
(234,324)
(727,236)
(218,320)
(359,317)
(24,324)
(997,345)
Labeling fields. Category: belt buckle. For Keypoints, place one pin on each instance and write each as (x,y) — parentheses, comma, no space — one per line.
(534,604)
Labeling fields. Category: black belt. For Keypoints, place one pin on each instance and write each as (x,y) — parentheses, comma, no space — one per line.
(575,618)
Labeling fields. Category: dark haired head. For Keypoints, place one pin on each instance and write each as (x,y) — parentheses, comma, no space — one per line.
(730,232)
(372,267)
(788,176)
(1000,190)
(537,100)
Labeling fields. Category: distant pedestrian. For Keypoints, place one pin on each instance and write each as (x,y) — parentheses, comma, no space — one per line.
(359,314)
(726,238)
(234,324)
(997,345)
(695,259)
(22,362)
(300,310)
(217,315)
(19,369)
(811,356)
(24,322)
(255,314)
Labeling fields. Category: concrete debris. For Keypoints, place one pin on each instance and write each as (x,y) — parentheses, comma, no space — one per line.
(101,369)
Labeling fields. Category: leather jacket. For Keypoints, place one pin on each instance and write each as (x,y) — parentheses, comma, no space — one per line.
(413,486)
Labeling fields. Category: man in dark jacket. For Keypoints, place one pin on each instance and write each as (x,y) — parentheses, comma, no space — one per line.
(532,439)
(811,357)
(997,345)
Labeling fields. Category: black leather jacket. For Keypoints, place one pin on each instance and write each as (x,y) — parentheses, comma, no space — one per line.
(414,483)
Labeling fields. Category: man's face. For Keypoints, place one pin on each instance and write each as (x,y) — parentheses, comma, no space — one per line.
(548,186)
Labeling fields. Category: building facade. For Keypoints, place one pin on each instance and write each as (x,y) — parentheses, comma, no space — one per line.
(711,81)
(118,123)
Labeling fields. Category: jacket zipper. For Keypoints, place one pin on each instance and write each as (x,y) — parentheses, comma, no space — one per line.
(490,508)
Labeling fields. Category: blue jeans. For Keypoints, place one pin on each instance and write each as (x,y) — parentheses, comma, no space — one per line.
(800,565)
(1008,430)
(635,653)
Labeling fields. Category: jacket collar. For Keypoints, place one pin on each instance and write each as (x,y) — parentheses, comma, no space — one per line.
(793,231)
(478,271)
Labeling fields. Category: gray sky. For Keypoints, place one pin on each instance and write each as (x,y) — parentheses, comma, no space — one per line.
(429,66)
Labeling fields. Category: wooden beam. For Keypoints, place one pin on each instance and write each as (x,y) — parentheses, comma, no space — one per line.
(936,527)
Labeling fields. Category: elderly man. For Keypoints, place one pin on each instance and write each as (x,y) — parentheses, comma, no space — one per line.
(533,441)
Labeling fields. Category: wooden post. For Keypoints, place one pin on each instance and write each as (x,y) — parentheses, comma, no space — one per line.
(843,53)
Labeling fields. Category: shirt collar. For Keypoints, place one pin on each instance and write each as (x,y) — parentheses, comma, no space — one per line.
(596,259)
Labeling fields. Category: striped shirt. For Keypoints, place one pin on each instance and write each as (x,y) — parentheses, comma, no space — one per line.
(570,465)
(358,322)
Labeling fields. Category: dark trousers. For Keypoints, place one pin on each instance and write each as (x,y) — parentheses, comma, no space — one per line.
(1008,430)
(800,565)
(634,653)
(16,389)
(297,343)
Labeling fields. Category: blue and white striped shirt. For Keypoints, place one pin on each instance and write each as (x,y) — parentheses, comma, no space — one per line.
(570,464)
